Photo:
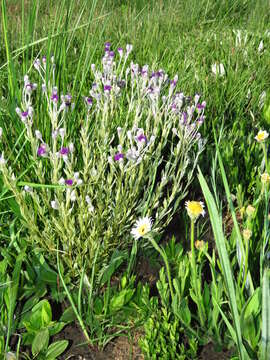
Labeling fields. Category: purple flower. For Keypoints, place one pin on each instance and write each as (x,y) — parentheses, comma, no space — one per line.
(69,182)
(184,118)
(107,45)
(159,73)
(64,151)
(201,120)
(174,107)
(120,51)
(111,54)
(68,100)
(24,114)
(54,97)
(37,64)
(89,101)
(42,150)
(200,106)
(142,137)
(107,88)
(118,156)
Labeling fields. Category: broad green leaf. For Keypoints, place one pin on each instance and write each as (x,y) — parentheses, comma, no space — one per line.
(68,315)
(120,299)
(253,305)
(56,349)
(56,327)
(117,259)
(41,341)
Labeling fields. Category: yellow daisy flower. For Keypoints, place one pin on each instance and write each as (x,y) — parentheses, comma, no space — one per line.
(194,209)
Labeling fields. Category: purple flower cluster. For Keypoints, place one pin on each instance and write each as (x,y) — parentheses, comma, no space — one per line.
(136,143)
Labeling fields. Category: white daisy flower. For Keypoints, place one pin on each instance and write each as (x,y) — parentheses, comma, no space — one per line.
(141,227)
(261,136)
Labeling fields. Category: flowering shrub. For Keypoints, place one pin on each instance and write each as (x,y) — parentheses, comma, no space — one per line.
(134,155)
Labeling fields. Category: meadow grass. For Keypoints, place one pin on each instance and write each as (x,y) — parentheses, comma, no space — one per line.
(182,37)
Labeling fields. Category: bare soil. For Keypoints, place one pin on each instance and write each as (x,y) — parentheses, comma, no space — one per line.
(119,349)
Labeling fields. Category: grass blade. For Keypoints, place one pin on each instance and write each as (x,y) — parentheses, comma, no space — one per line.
(266,315)
(225,262)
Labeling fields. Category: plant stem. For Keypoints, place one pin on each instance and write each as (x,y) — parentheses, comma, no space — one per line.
(194,274)
(165,259)
(265,157)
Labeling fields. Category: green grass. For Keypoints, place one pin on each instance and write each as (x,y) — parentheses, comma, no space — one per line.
(181,37)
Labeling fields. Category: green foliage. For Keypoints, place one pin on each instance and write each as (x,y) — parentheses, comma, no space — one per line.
(39,328)
(168,333)
(184,37)
(164,338)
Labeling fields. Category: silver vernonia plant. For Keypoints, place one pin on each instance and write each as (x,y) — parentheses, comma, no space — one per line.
(130,152)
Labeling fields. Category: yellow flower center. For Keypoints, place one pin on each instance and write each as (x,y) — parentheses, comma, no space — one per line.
(142,230)
(261,136)
(195,208)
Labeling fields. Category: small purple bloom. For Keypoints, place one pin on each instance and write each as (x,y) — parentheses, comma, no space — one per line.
(89,101)
(118,156)
(111,54)
(173,106)
(29,86)
(68,100)
(42,150)
(69,182)
(142,137)
(64,151)
(200,106)
(201,120)
(184,116)
(54,97)
(25,113)
(120,51)
(107,45)
(107,87)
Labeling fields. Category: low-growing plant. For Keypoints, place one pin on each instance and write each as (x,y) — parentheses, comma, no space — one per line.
(39,328)
(110,303)
(90,172)
(246,287)
(168,330)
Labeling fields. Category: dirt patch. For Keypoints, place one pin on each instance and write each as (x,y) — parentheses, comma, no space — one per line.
(209,353)
(122,348)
